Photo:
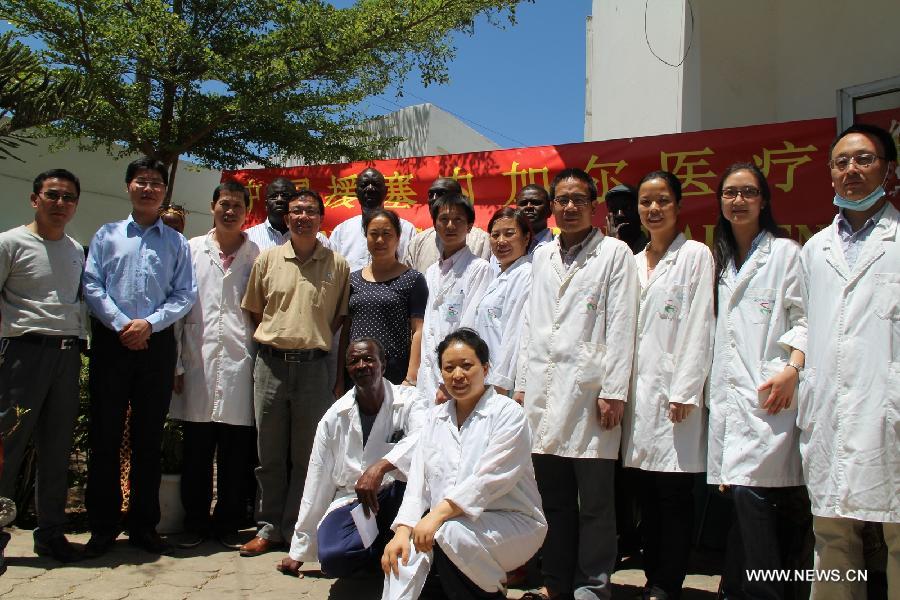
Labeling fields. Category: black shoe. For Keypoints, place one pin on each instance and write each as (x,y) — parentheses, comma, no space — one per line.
(151,542)
(100,544)
(59,548)
(229,539)
(191,539)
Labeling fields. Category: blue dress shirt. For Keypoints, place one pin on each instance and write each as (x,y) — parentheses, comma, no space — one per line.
(139,273)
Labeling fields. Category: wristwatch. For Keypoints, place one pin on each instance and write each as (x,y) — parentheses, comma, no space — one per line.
(796,366)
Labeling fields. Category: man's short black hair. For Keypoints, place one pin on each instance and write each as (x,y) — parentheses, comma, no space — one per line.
(56,174)
(311,194)
(884,138)
(578,175)
(231,186)
(146,162)
(452,199)
(379,348)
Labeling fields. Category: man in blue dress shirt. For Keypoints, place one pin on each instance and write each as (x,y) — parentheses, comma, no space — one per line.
(138,281)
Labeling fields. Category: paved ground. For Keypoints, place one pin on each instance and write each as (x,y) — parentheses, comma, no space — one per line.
(210,572)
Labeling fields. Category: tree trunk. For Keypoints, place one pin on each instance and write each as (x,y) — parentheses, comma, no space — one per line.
(173,168)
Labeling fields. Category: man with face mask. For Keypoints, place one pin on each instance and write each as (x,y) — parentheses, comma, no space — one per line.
(274,230)
(622,220)
(849,405)
(348,239)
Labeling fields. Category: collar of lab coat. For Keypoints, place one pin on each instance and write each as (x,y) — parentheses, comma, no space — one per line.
(664,263)
(587,252)
(445,264)
(759,257)
(885,231)
(448,409)
(525,258)
(213,250)
(347,407)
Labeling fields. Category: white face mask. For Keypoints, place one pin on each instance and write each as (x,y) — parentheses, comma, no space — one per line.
(860,205)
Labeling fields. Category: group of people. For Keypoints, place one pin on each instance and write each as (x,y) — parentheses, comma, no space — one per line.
(453,402)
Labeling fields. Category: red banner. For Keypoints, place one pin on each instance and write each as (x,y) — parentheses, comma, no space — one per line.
(793,157)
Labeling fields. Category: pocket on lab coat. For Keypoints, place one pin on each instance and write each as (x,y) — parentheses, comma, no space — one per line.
(762,303)
(805,398)
(674,302)
(591,364)
(886,303)
(767,370)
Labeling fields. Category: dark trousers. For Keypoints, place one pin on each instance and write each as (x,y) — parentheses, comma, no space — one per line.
(667,524)
(42,380)
(773,530)
(579,552)
(341,551)
(454,582)
(233,447)
(143,378)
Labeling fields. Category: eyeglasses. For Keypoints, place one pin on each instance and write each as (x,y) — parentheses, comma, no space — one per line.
(147,183)
(54,196)
(304,210)
(748,192)
(863,161)
(577,201)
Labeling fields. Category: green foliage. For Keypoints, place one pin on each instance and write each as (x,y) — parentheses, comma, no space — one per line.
(32,94)
(234,82)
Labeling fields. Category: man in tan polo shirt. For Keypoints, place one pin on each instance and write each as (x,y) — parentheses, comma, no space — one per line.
(298,295)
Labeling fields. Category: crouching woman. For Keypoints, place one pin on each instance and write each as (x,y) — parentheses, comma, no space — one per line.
(472,474)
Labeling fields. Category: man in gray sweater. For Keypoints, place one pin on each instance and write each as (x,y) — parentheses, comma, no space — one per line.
(40,309)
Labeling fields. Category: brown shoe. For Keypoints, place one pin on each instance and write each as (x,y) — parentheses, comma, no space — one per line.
(258,546)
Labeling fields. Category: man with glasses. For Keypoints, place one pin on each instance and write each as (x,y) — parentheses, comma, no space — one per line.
(40,300)
(215,391)
(274,230)
(425,249)
(297,295)
(138,281)
(574,372)
(849,405)
(348,239)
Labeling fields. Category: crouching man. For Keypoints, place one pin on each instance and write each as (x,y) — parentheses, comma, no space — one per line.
(361,454)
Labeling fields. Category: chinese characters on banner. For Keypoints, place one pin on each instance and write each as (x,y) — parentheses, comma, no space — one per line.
(792,155)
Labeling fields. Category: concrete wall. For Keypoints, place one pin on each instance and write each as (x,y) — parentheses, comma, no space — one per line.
(103,196)
(751,62)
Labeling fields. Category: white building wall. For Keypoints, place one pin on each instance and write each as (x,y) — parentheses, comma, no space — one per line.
(751,62)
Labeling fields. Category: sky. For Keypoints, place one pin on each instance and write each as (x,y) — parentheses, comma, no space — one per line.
(519,86)
(522,85)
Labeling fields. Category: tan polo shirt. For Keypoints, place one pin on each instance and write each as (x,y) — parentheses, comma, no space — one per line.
(298,301)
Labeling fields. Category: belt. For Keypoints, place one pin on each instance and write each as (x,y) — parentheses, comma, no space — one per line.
(50,341)
(292,356)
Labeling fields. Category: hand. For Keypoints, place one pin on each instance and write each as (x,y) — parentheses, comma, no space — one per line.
(679,412)
(369,483)
(423,532)
(612,230)
(609,412)
(135,334)
(397,549)
(289,566)
(782,388)
(442,395)
(519,397)
(178,384)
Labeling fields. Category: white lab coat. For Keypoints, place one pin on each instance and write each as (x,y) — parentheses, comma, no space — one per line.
(672,360)
(217,347)
(849,405)
(349,240)
(499,320)
(338,458)
(484,467)
(454,286)
(577,346)
(761,318)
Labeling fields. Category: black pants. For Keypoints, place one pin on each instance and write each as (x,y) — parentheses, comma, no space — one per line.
(143,378)
(233,447)
(453,582)
(667,524)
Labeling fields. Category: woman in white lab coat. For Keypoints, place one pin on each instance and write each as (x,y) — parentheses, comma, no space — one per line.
(664,434)
(500,312)
(472,473)
(758,355)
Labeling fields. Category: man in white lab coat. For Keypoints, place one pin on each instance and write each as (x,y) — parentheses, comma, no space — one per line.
(575,366)
(849,408)
(361,456)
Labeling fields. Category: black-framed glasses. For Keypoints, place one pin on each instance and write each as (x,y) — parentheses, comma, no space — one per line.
(54,196)
(748,192)
(577,200)
(864,161)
